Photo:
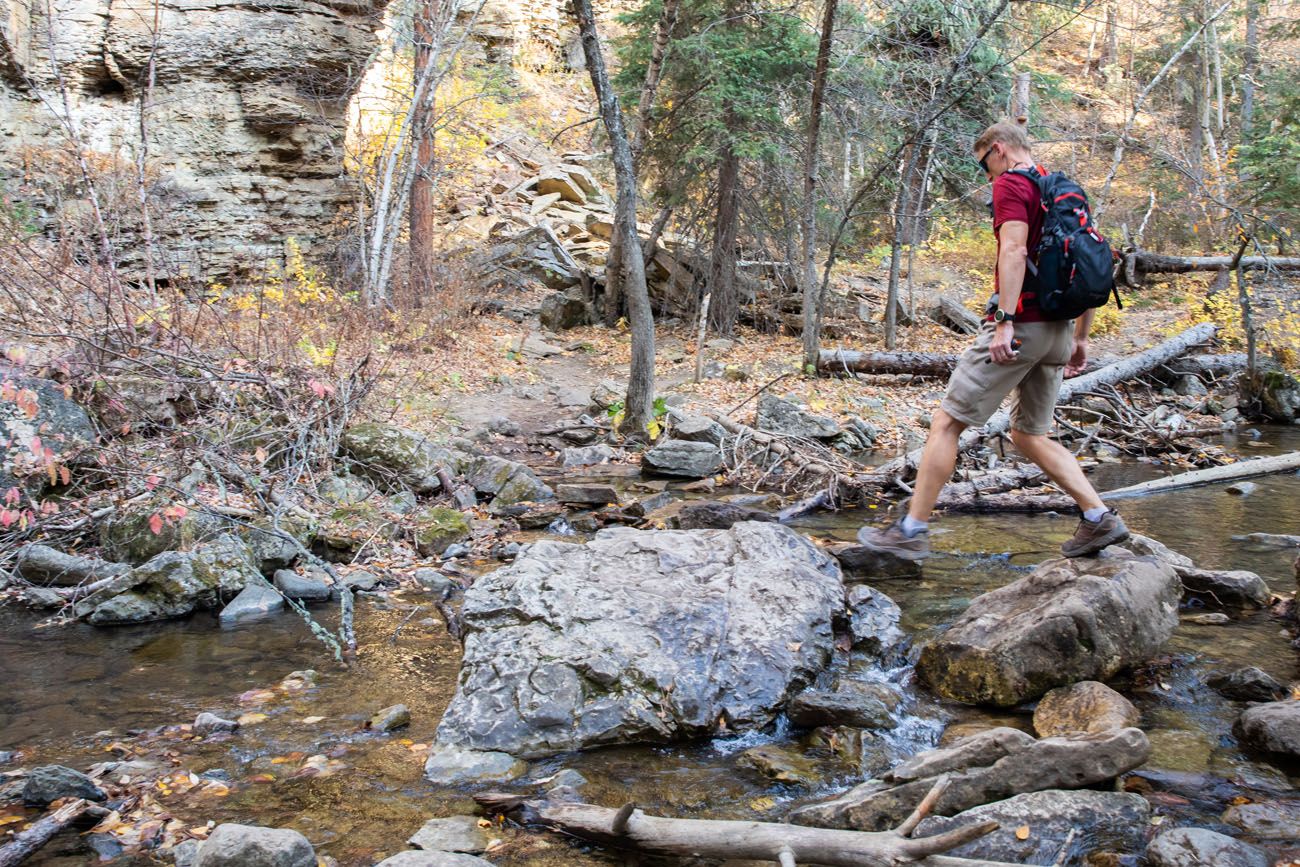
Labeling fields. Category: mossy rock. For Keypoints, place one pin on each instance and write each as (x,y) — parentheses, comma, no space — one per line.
(128,538)
(507,482)
(271,550)
(438,527)
(397,457)
(349,527)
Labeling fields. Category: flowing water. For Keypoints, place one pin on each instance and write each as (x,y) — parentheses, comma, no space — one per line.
(78,695)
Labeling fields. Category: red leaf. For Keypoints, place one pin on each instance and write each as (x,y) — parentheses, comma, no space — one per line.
(155,523)
(151,483)
(7,517)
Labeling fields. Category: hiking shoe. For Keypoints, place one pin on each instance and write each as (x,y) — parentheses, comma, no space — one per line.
(892,540)
(1092,536)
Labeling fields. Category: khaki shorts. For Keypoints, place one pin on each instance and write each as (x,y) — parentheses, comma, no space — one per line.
(977,389)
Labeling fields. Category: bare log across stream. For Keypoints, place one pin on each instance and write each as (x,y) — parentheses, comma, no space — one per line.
(27,843)
(1229,472)
(835,361)
(629,828)
(1111,374)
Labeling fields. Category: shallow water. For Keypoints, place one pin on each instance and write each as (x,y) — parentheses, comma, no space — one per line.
(70,692)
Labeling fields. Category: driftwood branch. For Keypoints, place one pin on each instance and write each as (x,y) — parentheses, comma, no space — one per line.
(1229,472)
(764,841)
(834,361)
(1140,262)
(27,843)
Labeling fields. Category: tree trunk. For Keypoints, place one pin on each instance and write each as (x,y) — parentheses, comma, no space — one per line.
(741,840)
(422,206)
(1143,262)
(1231,472)
(1120,371)
(808,207)
(27,843)
(667,20)
(725,307)
(901,205)
(1020,99)
(1250,68)
(1110,40)
(833,361)
(638,407)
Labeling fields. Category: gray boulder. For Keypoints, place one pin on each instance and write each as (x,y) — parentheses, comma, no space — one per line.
(561,311)
(507,482)
(207,723)
(390,454)
(1197,847)
(433,859)
(714,515)
(862,563)
(980,749)
(301,587)
(1067,762)
(453,834)
(873,619)
(390,718)
(1279,395)
(1086,706)
(1069,620)
(695,428)
(641,636)
(779,416)
(586,456)
(1110,821)
(344,490)
(48,783)
(1272,728)
(452,765)
(173,584)
(41,564)
(1266,820)
(1247,684)
(257,599)
(690,460)
(849,703)
(232,845)
(62,425)
(1234,588)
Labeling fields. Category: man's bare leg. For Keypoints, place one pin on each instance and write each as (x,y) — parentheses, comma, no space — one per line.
(1060,466)
(937,463)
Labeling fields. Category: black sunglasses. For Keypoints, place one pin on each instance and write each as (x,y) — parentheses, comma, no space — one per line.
(984,161)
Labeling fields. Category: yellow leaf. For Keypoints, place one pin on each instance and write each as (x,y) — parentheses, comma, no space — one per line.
(1022,833)
(762,805)
(249,719)
(9,820)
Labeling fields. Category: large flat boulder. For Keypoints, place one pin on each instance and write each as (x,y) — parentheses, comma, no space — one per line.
(41,564)
(780,416)
(1069,620)
(641,636)
(1067,762)
(396,456)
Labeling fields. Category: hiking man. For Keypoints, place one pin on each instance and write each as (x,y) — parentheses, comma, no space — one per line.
(993,368)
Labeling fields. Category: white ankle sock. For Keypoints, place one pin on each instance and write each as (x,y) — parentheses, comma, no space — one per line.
(911,526)
(1092,516)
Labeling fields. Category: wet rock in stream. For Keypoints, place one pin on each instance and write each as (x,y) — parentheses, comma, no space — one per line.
(453,834)
(304,588)
(847,703)
(1272,728)
(433,859)
(1247,684)
(1267,820)
(233,845)
(1069,620)
(686,459)
(49,783)
(41,564)
(1198,847)
(206,723)
(1086,706)
(641,636)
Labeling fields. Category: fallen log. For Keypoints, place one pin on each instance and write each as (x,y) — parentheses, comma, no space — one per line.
(738,840)
(953,315)
(27,843)
(972,495)
(836,361)
(1229,472)
(1143,362)
(1140,262)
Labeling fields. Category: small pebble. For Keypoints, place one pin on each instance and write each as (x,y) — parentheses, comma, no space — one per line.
(1242,489)
(207,723)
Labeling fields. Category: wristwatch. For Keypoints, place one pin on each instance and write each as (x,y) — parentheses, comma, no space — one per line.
(1001,315)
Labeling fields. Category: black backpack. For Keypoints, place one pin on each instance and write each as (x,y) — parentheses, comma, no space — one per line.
(1073,269)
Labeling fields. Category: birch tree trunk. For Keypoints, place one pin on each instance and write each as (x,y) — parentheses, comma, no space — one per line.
(638,406)
(808,212)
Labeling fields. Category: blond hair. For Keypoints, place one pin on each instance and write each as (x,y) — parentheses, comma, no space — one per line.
(1010,134)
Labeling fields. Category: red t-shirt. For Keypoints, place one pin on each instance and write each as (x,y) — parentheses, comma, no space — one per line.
(1015,197)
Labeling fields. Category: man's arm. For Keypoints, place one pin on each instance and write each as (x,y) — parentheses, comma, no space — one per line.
(1013,252)
(1079,357)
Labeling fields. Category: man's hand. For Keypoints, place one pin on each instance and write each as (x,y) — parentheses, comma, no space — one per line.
(1000,348)
(1079,358)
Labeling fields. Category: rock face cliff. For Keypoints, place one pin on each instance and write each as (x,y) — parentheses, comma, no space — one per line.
(245,129)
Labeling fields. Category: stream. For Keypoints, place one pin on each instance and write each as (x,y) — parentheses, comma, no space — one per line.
(77,695)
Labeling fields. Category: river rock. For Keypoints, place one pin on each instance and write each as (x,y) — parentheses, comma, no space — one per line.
(1279,395)
(390,718)
(174,584)
(258,599)
(1272,728)
(586,456)
(1147,547)
(873,619)
(980,749)
(683,458)
(344,490)
(1065,762)
(641,636)
(1267,820)
(452,765)
(61,424)
(436,528)
(696,428)
(278,544)
(586,495)
(715,515)
(849,703)
(41,564)
(1247,684)
(453,834)
(1235,588)
(779,416)
(507,482)
(1112,821)
(207,723)
(1213,618)
(304,588)
(1069,620)
(1242,489)
(232,845)
(433,859)
(390,454)
(862,563)
(1086,706)
(128,536)
(780,764)
(435,582)
(48,783)
(1198,847)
